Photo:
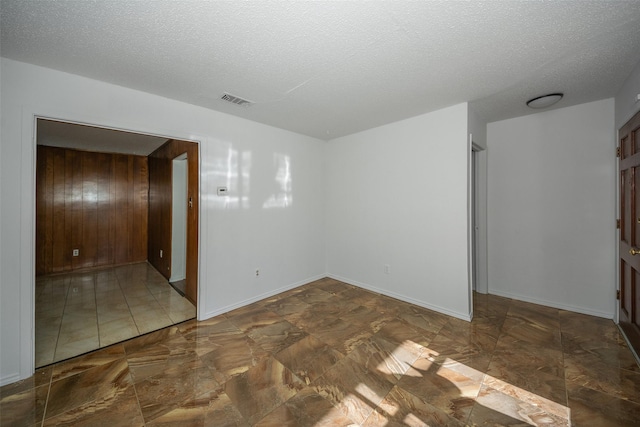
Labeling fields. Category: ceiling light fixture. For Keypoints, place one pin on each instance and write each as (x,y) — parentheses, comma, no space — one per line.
(544,101)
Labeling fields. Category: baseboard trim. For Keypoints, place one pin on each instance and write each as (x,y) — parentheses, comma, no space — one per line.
(552,304)
(9,379)
(257,298)
(403,298)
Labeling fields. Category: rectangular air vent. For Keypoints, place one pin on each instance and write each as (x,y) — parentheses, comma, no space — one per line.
(236,100)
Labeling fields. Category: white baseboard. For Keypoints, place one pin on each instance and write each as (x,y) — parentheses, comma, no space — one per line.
(404,298)
(552,304)
(257,298)
(9,379)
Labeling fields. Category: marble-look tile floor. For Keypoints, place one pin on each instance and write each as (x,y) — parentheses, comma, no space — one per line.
(81,312)
(330,354)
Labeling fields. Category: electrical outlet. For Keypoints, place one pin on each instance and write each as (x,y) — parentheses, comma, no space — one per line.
(387,269)
(257,272)
(160,253)
(76,252)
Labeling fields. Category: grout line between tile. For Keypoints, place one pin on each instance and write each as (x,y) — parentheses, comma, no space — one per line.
(64,308)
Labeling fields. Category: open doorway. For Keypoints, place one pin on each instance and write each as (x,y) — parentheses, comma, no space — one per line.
(477,224)
(94,283)
(180,200)
(478,214)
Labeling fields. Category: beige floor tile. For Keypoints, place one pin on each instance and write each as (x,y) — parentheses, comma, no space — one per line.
(70,308)
(49,306)
(45,349)
(46,357)
(178,316)
(79,311)
(111,297)
(113,314)
(117,330)
(65,350)
(146,307)
(175,303)
(48,326)
(108,288)
(142,300)
(154,320)
(77,332)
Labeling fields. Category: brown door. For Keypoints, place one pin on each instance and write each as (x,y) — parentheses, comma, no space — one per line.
(629,137)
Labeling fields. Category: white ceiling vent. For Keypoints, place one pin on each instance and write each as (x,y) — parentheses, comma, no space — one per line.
(236,100)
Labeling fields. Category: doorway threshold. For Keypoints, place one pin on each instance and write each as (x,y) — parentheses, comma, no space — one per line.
(180,286)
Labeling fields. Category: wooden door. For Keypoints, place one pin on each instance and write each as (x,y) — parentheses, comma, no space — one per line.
(629,137)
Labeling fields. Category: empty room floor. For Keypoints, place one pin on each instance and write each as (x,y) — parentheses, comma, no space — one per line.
(80,312)
(330,354)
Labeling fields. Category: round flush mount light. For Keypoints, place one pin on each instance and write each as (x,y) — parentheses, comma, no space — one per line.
(545,101)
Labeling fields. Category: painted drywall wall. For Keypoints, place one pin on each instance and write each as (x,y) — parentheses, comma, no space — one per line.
(627,103)
(271,219)
(477,127)
(397,197)
(551,208)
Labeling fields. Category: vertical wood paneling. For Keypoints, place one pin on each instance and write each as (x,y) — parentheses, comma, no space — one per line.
(89,246)
(141,204)
(61,257)
(104,253)
(41,214)
(160,197)
(121,203)
(94,202)
(75,163)
(159,214)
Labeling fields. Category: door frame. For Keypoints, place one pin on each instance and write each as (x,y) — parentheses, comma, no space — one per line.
(619,215)
(27,273)
(476,213)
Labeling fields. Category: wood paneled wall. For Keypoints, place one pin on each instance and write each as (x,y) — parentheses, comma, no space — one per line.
(160,197)
(94,202)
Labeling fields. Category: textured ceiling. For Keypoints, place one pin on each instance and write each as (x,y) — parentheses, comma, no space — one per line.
(328,69)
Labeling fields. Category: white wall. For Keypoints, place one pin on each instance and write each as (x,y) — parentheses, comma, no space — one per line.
(626,102)
(272,219)
(551,208)
(478,128)
(179,185)
(397,196)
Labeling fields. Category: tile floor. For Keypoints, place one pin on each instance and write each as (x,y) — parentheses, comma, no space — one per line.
(80,312)
(330,354)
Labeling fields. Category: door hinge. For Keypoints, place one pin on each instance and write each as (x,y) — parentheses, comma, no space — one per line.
(618,224)
(618,294)
(617,151)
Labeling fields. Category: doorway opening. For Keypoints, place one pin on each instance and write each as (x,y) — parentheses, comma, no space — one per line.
(95,283)
(477,236)
(180,174)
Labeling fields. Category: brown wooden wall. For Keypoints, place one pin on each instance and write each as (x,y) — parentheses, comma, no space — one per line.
(160,193)
(94,202)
